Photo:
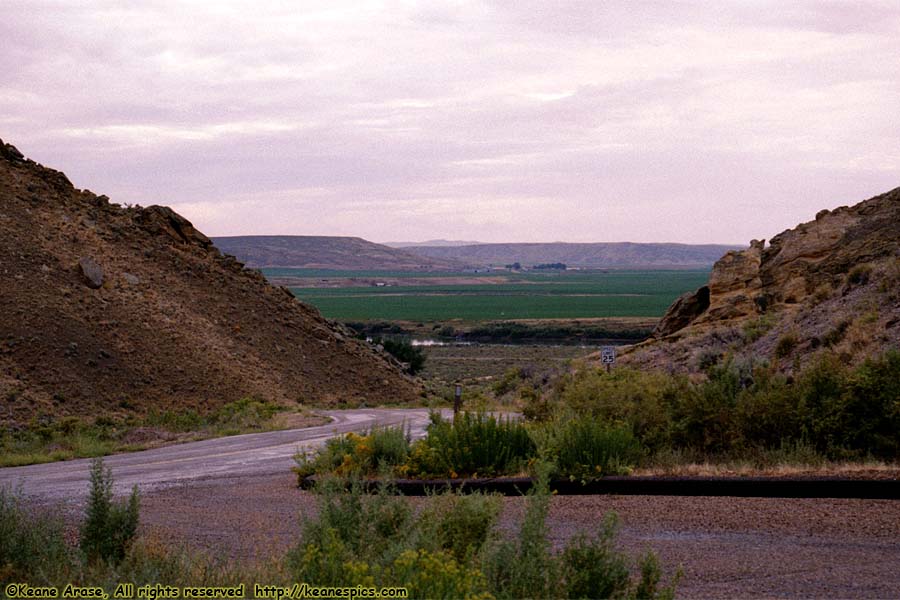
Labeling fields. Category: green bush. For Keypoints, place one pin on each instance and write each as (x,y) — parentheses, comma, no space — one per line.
(588,566)
(109,528)
(591,567)
(859,274)
(786,345)
(246,413)
(462,523)
(755,329)
(381,449)
(586,448)
(742,409)
(471,444)
(405,352)
(641,400)
(32,545)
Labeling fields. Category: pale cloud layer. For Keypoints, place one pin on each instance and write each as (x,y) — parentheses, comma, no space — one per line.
(498,121)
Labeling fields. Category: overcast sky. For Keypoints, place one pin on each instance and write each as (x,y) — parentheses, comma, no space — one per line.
(498,121)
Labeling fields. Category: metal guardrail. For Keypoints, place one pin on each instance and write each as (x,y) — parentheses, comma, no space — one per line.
(744,487)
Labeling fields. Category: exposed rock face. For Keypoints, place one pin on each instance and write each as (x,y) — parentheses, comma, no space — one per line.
(156,318)
(162,219)
(798,262)
(683,311)
(830,285)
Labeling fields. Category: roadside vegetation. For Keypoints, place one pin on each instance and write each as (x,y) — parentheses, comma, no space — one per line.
(587,423)
(740,411)
(452,548)
(48,439)
(479,445)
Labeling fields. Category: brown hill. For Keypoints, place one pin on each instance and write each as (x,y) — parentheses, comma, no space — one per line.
(327,252)
(106,309)
(829,285)
(615,255)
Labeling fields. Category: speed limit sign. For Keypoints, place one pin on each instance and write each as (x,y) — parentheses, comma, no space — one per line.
(608,356)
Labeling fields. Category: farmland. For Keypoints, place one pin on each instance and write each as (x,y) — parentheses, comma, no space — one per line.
(440,297)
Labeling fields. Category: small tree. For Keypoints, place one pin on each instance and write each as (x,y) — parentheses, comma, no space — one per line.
(405,352)
(108,528)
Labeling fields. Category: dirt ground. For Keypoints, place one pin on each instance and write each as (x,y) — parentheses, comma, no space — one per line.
(727,547)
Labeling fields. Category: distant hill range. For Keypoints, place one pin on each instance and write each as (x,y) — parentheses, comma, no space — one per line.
(327,252)
(620,255)
(432,243)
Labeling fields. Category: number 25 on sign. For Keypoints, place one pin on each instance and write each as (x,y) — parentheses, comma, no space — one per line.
(608,356)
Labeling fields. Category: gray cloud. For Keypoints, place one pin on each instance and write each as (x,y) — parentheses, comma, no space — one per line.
(578,121)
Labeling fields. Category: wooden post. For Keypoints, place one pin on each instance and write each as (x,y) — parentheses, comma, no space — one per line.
(457,399)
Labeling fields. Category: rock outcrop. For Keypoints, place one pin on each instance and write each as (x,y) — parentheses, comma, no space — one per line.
(796,264)
(683,312)
(107,310)
(809,284)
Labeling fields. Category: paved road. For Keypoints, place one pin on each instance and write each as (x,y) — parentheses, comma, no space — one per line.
(251,454)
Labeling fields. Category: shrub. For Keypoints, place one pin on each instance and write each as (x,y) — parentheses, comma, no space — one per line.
(859,274)
(109,528)
(510,381)
(589,448)
(427,574)
(591,568)
(381,449)
(835,335)
(32,546)
(588,567)
(640,400)
(525,567)
(243,414)
(471,444)
(786,345)
(462,523)
(536,406)
(755,329)
(405,352)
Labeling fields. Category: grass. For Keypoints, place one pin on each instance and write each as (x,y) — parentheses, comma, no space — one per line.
(46,439)
(564,295)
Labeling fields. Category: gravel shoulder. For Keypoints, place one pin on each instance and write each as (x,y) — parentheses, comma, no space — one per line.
(727,547)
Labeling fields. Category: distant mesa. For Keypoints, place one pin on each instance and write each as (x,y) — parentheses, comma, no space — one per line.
(443,243)
(598,255)
(327,252)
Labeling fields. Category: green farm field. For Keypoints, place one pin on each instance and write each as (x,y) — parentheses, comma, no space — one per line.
(565,295)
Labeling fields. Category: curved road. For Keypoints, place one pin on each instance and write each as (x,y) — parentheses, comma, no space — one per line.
(249,454)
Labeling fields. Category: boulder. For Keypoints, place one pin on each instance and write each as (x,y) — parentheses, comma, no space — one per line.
(92,272)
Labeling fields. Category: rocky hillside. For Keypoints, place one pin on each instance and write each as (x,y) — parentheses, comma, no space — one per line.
(327,252)
(108,310)
(624,255)
(829,285)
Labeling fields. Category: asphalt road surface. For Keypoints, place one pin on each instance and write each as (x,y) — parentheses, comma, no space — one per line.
(234,456)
